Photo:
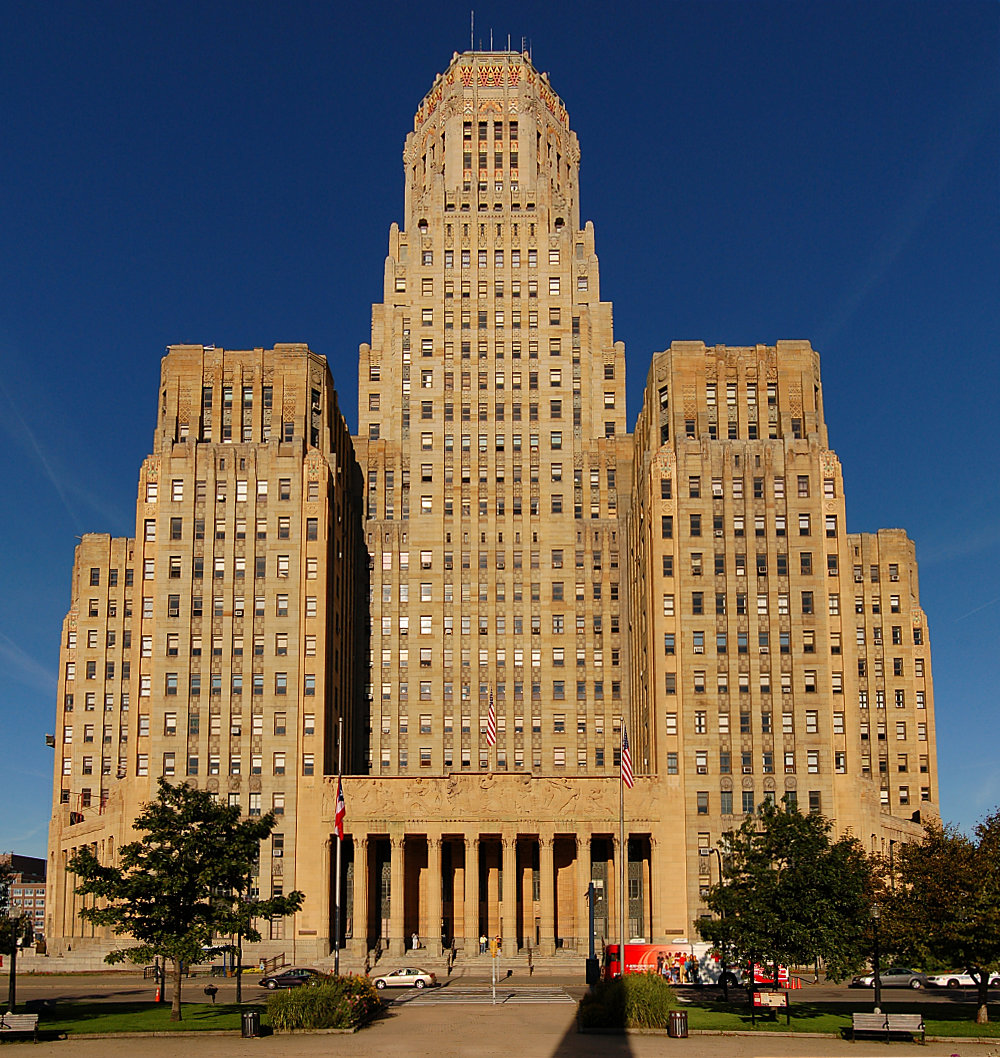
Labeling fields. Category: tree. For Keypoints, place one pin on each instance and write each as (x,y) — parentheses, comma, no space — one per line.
(790,895)
(15,930)
(944,902)
(182,883)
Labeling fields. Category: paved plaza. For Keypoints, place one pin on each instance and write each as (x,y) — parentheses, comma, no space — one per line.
(441,1030)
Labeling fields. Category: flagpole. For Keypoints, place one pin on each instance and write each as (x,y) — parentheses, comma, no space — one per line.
(340,842)
(621,865)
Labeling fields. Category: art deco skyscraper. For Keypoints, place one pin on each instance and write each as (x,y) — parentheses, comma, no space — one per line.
(537,578)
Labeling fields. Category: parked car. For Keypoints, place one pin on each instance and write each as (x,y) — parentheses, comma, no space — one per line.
(410,977)
(298,975)
(959,979)
(894,977)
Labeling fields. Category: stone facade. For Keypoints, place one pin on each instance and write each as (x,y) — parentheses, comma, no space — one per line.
(527,558)
(221,645)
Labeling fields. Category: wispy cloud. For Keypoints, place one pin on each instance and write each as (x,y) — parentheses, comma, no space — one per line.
(928,185)
(951,549)
(985,606)
(27,434)
(20,666)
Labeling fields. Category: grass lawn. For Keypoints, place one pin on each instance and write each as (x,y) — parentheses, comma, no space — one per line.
(940,1020)
(140,1017)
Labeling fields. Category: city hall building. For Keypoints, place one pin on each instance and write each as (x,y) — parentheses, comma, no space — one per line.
(492,538)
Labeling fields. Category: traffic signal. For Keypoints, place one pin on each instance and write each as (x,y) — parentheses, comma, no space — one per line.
(494,947)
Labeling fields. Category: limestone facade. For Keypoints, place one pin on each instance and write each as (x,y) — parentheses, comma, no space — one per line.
(517,548)
(220,645)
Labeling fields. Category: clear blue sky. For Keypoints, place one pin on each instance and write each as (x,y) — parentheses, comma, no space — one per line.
(227,173)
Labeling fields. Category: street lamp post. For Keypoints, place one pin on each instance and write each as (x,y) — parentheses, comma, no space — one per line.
(876,915)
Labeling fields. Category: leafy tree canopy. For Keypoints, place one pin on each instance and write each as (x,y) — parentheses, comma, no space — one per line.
(182,883)
(790,895)
(944,902)
(13,927)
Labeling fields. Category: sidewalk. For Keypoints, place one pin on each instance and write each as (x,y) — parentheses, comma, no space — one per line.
(543,1031)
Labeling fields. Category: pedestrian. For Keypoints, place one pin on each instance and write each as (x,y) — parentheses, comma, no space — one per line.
(531,965)
(415,941)
(482,943)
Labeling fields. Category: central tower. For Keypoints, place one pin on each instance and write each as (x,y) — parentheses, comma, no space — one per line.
(492,411)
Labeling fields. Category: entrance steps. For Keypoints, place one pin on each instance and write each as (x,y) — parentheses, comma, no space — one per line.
(562,964)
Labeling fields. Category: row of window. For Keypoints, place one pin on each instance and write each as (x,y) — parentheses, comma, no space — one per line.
(699,720)
(243,489)
(592,689)
(715,488)
(517,687)
(560,625)
(696,522)
(502,761)
(748,801)
(499,657)
(807,607)
(427,439)
(558,724)
(767,758)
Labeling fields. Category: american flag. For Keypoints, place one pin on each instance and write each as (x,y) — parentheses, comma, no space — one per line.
(491,723)
(627,777)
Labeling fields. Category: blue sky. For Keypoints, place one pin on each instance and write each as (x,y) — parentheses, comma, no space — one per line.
(227,173)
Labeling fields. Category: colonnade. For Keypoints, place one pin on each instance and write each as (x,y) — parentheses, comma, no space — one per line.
(529,889)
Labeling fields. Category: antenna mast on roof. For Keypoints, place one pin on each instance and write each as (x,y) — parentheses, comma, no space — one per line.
(472,30)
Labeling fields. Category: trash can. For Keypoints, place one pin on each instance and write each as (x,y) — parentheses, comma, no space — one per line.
(677,1027)
(251,1024)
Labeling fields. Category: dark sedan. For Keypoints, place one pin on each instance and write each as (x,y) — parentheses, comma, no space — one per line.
(298,975)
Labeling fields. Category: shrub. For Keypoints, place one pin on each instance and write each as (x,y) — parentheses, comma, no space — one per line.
(337,1003)
(636,1001)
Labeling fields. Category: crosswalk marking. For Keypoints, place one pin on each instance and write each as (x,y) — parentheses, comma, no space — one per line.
(484,994)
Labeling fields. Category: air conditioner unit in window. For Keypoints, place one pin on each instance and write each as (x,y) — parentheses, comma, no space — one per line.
(747,770)
(718,532)
(765,650)
(894,577)
(699,650)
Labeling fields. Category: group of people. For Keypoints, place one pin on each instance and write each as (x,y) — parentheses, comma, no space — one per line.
(484,943)
(684,971)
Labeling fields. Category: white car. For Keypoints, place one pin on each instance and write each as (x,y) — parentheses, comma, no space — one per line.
(410,977)
(960,979)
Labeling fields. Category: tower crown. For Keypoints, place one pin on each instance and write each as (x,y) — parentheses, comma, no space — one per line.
(492,136)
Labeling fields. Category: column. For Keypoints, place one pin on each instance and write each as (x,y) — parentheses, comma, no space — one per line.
(615,904)
(656,922)
(579,905)
(471,900)
(397,874)
(328,869)
(434,908)
(359,946)
(509,903)
(547,892)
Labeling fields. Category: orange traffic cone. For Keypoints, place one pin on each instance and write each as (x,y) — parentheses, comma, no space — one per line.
(156,998)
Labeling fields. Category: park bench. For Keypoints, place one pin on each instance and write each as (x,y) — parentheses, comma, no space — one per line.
(888,1024)
(19,1024)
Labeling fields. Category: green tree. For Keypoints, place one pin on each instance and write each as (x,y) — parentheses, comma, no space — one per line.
(15,929)
(944,902)
(790,895)
(182,883)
